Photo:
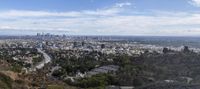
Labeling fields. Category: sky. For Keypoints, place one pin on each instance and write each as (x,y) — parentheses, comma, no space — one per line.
(101,17)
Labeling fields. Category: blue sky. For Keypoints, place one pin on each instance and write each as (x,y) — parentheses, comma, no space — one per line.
(101,17)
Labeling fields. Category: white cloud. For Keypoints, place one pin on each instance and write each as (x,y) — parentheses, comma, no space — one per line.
(107,21)
(26,13)
(123,4)
(102,12)
(195,2)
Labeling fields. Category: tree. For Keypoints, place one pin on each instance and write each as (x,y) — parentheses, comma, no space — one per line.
(165,50)
(75,44)
(186,49)
(82,43)
(102,46)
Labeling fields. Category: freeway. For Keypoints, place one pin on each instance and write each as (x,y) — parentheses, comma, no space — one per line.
(46,60)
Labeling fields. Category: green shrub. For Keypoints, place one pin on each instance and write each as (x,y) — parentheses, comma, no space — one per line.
(5,82)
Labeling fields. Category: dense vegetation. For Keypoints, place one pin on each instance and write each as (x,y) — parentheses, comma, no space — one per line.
(99,80)
(7,54)
(136,70)
(73,62)
(5,82)
(149,70)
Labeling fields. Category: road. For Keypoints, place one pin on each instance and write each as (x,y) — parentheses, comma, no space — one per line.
(46,60)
